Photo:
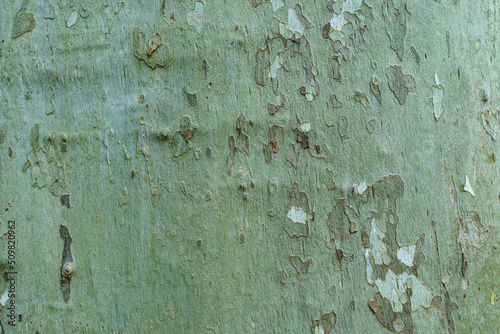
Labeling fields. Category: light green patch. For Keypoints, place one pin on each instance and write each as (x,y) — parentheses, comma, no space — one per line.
(72,19)
(195,16)
(24,21)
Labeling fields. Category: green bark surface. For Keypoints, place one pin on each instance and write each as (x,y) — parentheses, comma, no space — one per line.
(250,166)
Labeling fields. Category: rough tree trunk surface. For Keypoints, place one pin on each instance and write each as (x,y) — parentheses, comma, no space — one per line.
(250,166)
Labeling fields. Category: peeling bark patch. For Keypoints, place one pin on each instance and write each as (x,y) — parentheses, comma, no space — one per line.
(375,304)
(23,21)
(300,265)
(296,25)
(406,254)
(191,97)
(467,186)
(336,103)
(298,214)
(302,130)
(153,44)
(238,143)
(464,265)
(84,13)
(389,266)
(35,140)
(181,139)
(205,66)
(290,37)
(5,296)
(45,161)
(371,125)
(325,324)
(49,11)
(159,57)
(365,239)
(339,255)
(256,3)
(375,89)
(142,140)
(282,276)
(195,16)
(303,138)
(395,24)
(388,318)
(473,232)
(399,83)
(415,53)
(277,4)
(244,179)
(185,128)
(343,125)
(396,289)
(328,179)
(272,108)
(65,201)
(360,97)
(338,221)
(72,19)
(484,94)
(262,66)
(276,136)
(437,101)
(123,197)
(491,123)
(459,222)
(336,74)
(67,265)
(443,301)
(346,30)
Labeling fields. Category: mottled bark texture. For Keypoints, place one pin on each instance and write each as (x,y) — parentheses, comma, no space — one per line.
(244,166)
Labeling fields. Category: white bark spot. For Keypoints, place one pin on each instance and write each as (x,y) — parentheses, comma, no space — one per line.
(293,26)
(277,4)
(72,19)
(406,254)
(305,127)
(474,233)
(297,215)
(338,20)
(319,330)
(437,98)
(360,188)
(369,269)
(378,247)
(195,16)
(436,78)
(4,297)
(398,325)
(394,289)
(467,186)
(275,67)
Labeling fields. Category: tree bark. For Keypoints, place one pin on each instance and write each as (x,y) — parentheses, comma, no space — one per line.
(249,166)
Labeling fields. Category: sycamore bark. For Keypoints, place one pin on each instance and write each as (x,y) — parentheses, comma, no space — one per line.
(250,166)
